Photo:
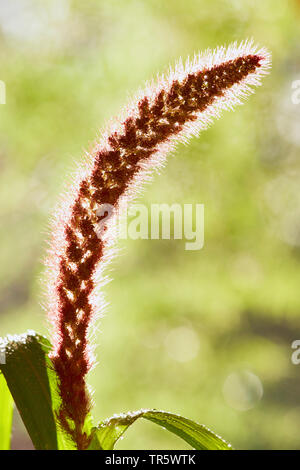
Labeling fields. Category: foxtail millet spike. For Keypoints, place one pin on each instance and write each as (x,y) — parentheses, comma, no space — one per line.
(172,110)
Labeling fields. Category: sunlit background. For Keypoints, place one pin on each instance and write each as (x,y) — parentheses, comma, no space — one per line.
(206,334)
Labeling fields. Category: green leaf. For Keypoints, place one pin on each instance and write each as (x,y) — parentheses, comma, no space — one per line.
(6,413)
(32,383)
(197,435)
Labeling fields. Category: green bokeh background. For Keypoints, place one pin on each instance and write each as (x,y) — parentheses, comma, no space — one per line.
(234,306)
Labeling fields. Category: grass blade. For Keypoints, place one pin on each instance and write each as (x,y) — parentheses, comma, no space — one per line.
(6,413)
(197,435)
(32,384)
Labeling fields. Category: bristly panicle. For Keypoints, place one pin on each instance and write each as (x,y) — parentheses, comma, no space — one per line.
(169,111)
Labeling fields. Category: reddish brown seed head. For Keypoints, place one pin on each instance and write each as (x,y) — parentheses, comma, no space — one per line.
(170,111)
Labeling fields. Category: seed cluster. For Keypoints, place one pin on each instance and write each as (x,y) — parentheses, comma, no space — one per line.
(157,120)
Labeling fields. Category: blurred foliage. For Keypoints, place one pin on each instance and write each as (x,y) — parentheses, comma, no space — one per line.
(68,66)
